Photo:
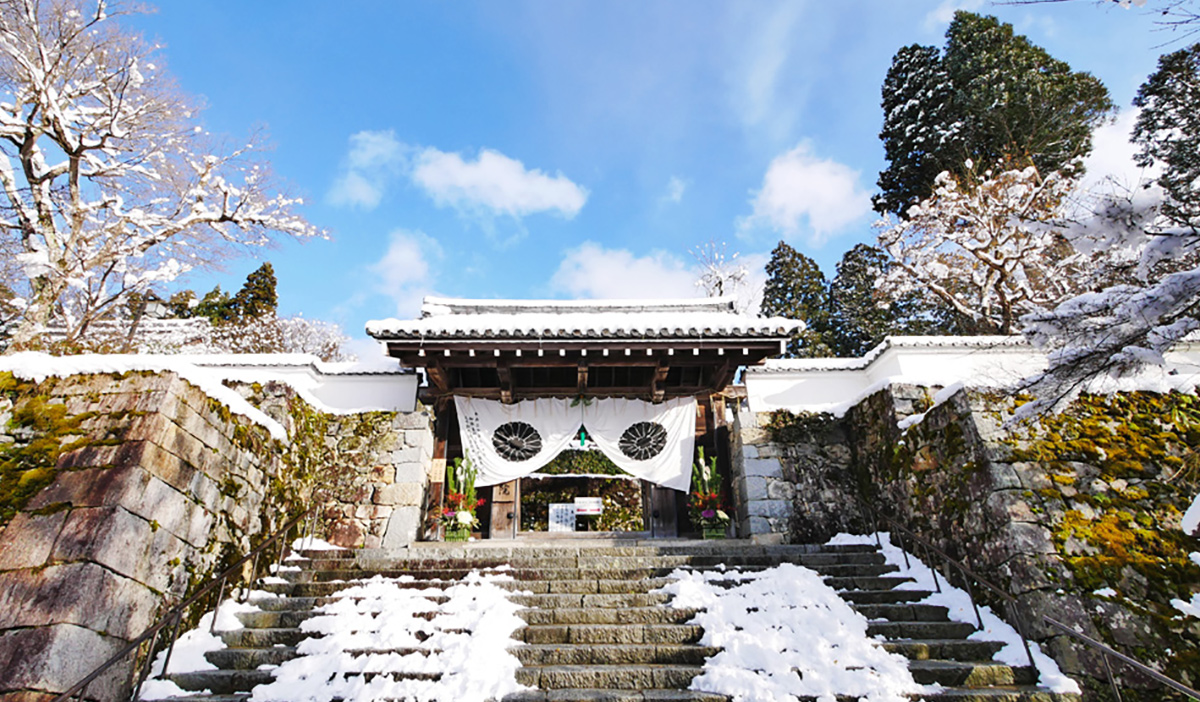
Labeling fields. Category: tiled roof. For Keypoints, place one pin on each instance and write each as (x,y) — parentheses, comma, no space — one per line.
(788,365)
(450,319)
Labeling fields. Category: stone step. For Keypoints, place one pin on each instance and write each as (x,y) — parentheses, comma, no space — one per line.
(944,649)
(920,630)
(583,587)
(607,615)
(610,634)
(250,658)
(418,563)
(285,604)
(263,638)
(222,682)
(207,698)
(613,654)
(624,677)
(971,674)
(286,619)
(883,596)
(608,572)
(901,612)
(883,582)
(636,599)
(1025,693)
(594,695)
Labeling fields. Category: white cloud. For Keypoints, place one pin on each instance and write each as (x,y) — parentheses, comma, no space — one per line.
(801,188)
(404,272)
(941,15)
(676,186)
(1112,155)
(495,182)
(592,271)
(373,159)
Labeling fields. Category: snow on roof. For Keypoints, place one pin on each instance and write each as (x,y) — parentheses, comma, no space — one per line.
(541,319)
(379,366)
(789,365)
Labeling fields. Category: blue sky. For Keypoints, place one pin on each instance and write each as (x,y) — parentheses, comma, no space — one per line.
(574,149)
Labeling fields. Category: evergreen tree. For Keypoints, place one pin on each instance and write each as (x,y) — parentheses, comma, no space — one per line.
(217,306)
(1168,132)
(990,96)
(921,136)
(796,289)
(257,298)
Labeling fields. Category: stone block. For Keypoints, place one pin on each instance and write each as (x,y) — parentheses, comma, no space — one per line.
(781,490)
(1004,476)
(398,494)
(412,420)
(120,541)
(382,474)
(769,508)
(759,525)
(1008,506)
(750,451)
(84,594)
(402,527)
(412,472)
(756,488)
(28,539)
(56,657)
(765,467)
(410,454)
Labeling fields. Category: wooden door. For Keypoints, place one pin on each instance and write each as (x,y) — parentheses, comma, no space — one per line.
(506,510)
(660,508)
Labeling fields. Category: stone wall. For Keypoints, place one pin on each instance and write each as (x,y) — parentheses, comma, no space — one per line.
(372,467)
(121,491)
(1076,514)
(118,493)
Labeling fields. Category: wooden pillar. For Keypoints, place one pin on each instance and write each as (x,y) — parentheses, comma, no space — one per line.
(506,510)
(443,413)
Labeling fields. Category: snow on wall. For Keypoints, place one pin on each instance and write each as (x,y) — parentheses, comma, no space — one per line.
(835,385)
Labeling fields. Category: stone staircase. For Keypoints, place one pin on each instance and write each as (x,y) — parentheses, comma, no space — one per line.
(595,631)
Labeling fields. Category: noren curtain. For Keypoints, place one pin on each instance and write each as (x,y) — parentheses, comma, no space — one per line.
(653,442)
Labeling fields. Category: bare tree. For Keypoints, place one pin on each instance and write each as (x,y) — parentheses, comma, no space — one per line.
(724,275)
(110,184)
(1175,15)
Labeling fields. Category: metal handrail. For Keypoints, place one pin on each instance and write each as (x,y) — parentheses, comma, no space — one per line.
(174,617)
(1014,612)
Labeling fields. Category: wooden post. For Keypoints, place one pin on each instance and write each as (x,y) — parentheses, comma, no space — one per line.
(443,414)
(506,510)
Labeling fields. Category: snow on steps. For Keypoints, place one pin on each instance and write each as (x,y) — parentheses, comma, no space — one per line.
(596,631)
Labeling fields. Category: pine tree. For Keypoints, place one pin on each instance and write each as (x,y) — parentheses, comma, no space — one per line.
(1168,132)
(990,96)
(217,306)
(796,289)
(257,298)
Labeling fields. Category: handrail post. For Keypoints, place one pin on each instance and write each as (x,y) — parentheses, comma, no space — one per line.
(145,668)
(1111,680)
(971,596)
(171,646)
(250,583)
(212,626)
(1016,622)
(936,584)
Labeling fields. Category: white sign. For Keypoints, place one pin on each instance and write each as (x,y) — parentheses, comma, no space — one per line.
(588,506)
(562,516)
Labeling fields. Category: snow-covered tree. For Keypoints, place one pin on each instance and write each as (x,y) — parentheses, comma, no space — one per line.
(110,185)
(1145,243)
(1168,132)
(721,274)
(990,95)
(985,245)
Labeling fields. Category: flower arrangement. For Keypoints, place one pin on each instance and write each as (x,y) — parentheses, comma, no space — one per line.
(705,505)
(458,512)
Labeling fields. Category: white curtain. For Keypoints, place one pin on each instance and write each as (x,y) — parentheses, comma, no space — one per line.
(650,441)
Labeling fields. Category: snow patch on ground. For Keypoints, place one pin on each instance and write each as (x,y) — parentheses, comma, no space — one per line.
(188,654)
(312,543)
(1105,592)
(374,627)
(959,604)
(1191,609)
(39,366)
(1191,518)
(786,634)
